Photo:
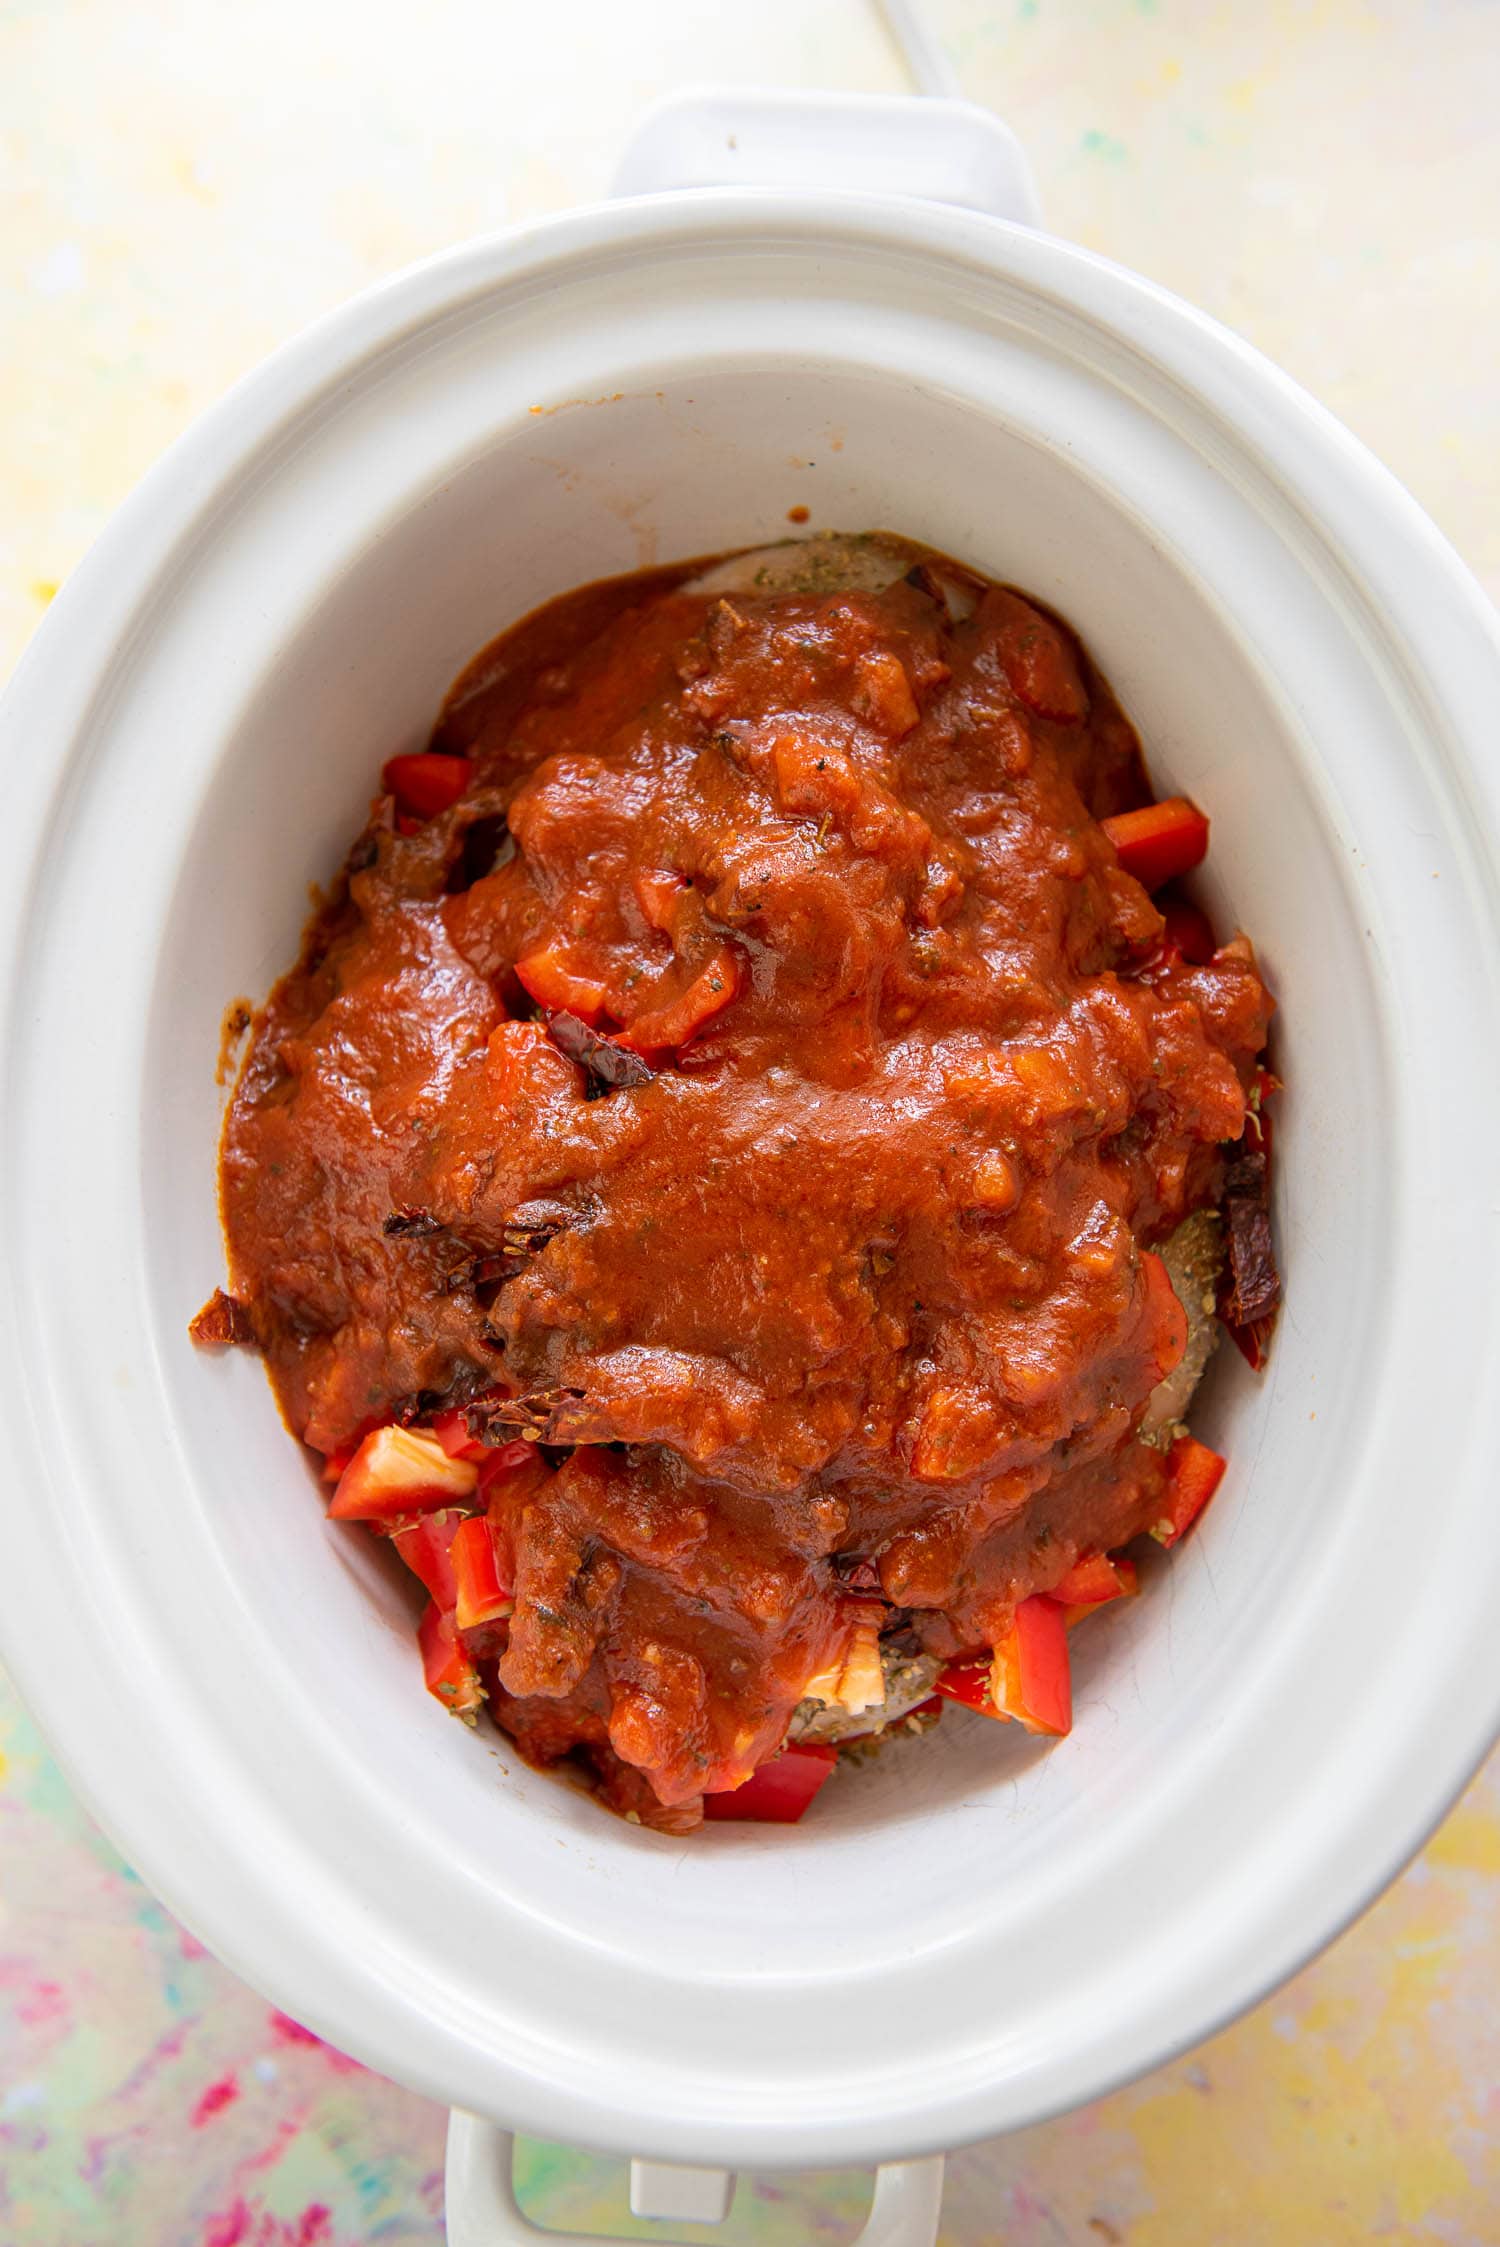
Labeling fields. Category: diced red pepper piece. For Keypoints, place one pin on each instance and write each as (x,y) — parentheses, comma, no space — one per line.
(1190,933)
(1187,937)
(967,1681)
(504,1460)
(428,783)
(1028,1677)
(547,977)
(1160,841)
(449,1674)
(483,1596)
(336,1460)
(1090,1582)
(1168,1319)
(669,1027)
(1126,1585)
(452,1431)
(400,1471)
(1031,1679)
(779,1792)
(425,1545)
(1193,1475)
(660,897)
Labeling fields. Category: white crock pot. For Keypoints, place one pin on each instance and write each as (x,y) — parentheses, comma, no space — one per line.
(976,1930)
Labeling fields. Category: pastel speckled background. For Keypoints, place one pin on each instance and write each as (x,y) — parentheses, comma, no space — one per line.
(181,185)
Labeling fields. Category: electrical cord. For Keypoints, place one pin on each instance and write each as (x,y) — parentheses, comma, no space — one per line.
(926,60)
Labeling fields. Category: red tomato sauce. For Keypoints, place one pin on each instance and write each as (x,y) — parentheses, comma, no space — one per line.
(828,1297)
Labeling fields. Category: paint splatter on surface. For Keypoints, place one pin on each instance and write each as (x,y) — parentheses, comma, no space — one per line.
(149,2097)
(214,2100)
(1323,177)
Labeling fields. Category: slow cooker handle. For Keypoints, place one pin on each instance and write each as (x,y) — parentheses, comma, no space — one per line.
(887,144)
(482,2211)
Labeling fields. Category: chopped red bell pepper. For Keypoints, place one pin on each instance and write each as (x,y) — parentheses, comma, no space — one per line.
(1190,933)
(449,1674)
(967,1681)
(483,1596)
(1187,937)
(1092,1581)
(336,1460)
(426,784)
(672,1025)
(505,1460)
(1160,841)
(1168,1319)
(1076,1603)
(400,1471)
(1031,1680)
(1027,1678)
(546,976)
(779,1792)
(425,1546)
(660,897)
(1193,1475)
(452,1431)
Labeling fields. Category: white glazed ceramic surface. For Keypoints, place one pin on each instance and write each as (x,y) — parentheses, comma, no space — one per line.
(977,1929)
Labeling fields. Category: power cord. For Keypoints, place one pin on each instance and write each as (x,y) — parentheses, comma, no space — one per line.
(925,58)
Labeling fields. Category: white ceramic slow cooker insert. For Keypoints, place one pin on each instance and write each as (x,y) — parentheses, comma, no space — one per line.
(977,1929)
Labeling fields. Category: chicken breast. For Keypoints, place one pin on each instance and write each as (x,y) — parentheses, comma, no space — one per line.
(1193,1256)
(828,562)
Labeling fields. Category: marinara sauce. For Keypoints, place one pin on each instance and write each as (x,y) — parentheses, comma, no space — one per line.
(765,1078)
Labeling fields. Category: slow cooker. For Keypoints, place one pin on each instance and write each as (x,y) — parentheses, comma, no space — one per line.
(974,1931)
